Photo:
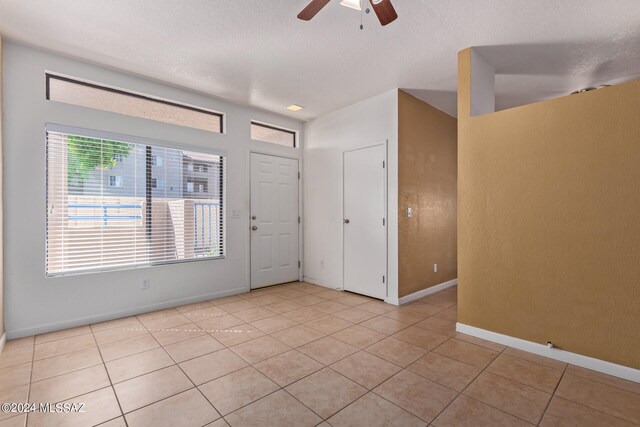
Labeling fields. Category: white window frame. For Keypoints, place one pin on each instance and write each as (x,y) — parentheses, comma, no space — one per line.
(159,183)
(158,160)
(295,133)
(49,75)
(118,181)
(52,127)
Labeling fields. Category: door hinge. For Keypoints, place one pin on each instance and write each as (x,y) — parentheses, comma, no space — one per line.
(298,220)
(383,221)
(382,279)
(298,263)
(383,164)
(298,175)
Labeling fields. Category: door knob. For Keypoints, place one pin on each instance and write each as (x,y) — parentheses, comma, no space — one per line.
(254,217)
(346,220)
(254,228)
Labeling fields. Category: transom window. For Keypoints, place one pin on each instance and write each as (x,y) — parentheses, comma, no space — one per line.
(273,134)
(92,95)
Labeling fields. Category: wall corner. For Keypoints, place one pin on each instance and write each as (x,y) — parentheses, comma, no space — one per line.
(464,84)
(2,325)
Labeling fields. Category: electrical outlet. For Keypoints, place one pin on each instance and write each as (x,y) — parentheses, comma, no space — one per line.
(409,212)
(145,284)
(435,268)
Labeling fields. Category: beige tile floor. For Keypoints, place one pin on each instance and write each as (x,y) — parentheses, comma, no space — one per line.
(301,355)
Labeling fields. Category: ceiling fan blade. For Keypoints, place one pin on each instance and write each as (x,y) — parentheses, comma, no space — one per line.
(312,9)
(384,10)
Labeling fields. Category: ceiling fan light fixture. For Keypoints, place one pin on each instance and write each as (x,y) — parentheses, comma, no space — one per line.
(353,4)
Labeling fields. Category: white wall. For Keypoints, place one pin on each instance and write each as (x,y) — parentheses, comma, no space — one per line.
(2,330)
(325,139)
(34,303)
(483,85)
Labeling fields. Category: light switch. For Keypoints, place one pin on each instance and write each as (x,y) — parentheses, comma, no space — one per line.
(409,212)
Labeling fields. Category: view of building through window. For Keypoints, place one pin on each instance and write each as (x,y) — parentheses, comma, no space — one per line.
(112,203)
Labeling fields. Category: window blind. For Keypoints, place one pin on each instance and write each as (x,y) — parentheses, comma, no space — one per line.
(112,204)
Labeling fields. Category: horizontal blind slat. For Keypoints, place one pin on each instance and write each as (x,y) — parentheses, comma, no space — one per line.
(103,211)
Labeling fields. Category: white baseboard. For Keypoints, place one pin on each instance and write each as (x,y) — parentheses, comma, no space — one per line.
(392,300)
(321,283)
(57,326)
(609,368)
(423,293)
(3,340)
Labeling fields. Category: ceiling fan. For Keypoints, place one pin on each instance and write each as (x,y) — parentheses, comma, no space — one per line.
(383,9)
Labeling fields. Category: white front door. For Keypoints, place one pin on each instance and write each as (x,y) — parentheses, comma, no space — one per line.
(274,220)
(364,221)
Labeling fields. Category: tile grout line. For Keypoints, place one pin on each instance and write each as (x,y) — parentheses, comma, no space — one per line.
(534,388)
(359,349)
(75,396)
(586,406)
(533,361)
(329,367)
(460,393)
(177,363)
(297,324)
(499,409)
(33,355)
(283,388)
(104,366)
(250,403)
(175,394)
(192,382)
(498,374)
(552,394)
(301,378)
(428,379)
(63,338)
(398,406)
(602,382)
(206,331)
(65,352)
(381,397)
(196,387)
(546,408)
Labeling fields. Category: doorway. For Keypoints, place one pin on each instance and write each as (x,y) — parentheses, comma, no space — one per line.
(364,221)
(274,220)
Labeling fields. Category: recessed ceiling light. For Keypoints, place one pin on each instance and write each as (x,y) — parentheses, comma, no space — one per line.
(294,107)
(353,4)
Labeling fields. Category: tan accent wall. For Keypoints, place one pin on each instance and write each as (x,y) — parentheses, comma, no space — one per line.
(427,169)
(1,208)
(549,220)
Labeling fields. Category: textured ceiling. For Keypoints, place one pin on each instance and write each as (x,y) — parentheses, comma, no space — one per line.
(256,52)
